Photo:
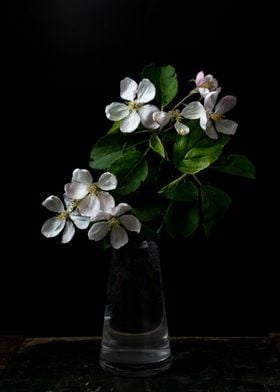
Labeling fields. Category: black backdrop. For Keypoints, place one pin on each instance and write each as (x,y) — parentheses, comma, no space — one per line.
(65,60)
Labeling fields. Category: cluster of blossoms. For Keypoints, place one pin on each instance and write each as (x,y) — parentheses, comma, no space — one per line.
(90,203)
(136,109)
(157,152)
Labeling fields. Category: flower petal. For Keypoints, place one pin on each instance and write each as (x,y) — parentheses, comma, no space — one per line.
(130,123)
(193,110)
(102,215)
(131,223)
(226,104)
(203,91)
(98,231)
(120,209)
(211,131)
(54,204)
(89,206)
(118,237)
(199,79)
(116,111)
(107,181)
(161,117)
(106,200)
(181,128)
(211,99)
(68,232)
(146,91)
(146,115)
(128,89)
(52,227)
(228,127)
(203,120)
(82,175)
(76,190)
(80,221)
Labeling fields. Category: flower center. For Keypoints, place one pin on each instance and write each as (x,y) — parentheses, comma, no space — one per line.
(63,215)
(93,189)
(113,222)
(175,115)
(216,116)
(133,106)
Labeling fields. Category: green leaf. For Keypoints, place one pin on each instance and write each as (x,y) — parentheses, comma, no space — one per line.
(106,151)
(237,165)
(131,169)
(182,219)
(195,151)
(165,81)
(179,190)
(156,145)
(115,127)
(148,234)
(148,212)
(215,203)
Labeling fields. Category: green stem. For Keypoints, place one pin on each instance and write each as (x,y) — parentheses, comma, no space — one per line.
(182,100)
(197,180)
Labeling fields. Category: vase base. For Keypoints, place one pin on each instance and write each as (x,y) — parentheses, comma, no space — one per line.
(136,370)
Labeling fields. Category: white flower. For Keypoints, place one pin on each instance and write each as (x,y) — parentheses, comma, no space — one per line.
(205,84)
(91,194)
(191,111)
(213,119)
(115,221)
(134,110)
(64,219)
(162,118)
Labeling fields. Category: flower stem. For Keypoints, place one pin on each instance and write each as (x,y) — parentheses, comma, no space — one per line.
(182,100)
(197,180)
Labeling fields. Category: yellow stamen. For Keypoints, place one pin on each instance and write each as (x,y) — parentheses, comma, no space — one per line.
(63,215)
(93,189)
(113,222)
(175,115)
(216,116)
(134,106)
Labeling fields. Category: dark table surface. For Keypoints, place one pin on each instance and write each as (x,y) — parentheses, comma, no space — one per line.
(200,364)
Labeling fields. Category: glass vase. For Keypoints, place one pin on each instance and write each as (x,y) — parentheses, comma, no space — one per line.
(135,339)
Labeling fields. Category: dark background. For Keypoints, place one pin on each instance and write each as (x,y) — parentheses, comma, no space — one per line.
(64,64)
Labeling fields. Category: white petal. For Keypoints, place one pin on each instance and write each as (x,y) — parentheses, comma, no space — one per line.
(102,215)
(203,120)
(89,206)
(68,202)
(228,127)
(128,89)
(161,117)
(76,190)
(131,223)
(146,91)
(199,78)
(120,209)
(226,104)
(146,115)
(211,131)
(107,181)
(106,200)
(53,203)
(68,232)
(130,123)
(193,110)
(203,91)
(80,221)
(182,129)
(52,227)
(211,99)
(118,237)
(98,231)
(116,111)
(82,175)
